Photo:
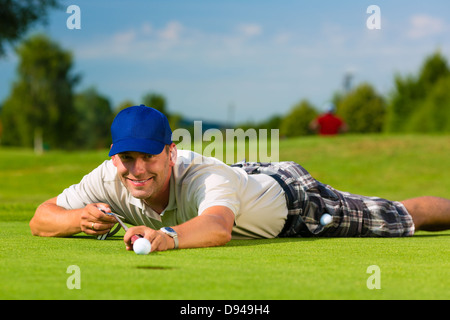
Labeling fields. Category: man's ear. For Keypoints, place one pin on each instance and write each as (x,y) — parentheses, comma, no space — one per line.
(172,154)
(113,157)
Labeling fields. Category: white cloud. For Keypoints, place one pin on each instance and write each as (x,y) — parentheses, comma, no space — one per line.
(250,29)
(172,31)
(131,43)
(422,25)
(124,37)
(173,40)
(146,28)
(282,38)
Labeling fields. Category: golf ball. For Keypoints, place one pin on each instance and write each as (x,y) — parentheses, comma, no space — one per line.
(326,219)
(142,246)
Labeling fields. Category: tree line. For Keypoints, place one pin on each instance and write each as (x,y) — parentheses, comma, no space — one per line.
(44,109)
(418,103)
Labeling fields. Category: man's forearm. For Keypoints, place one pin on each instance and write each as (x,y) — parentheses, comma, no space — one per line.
(51,220)
(212,228)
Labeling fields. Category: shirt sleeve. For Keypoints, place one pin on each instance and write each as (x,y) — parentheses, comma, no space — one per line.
(90,189)
(216,188)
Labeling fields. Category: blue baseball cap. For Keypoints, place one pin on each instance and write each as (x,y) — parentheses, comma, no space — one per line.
(141,129)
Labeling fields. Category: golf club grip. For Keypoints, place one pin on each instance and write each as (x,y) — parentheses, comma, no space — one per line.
(135,237)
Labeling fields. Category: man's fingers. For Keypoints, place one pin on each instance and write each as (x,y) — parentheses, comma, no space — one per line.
(98,212)
(96,227)
(99,226)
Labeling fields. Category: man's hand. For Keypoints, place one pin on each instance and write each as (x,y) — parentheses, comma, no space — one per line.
(94,221)
(159,240)
(212,228)
(51,220)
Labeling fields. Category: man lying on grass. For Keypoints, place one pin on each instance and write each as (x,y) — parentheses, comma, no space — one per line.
(184,200)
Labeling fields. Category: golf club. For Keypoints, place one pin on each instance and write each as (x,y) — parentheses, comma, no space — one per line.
(134,237)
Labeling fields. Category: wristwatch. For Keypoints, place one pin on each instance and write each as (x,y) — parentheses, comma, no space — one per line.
(171,233)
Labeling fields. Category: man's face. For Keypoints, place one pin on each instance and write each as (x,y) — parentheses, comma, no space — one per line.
(145,176)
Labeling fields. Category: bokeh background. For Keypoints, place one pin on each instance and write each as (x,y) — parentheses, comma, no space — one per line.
(249,64)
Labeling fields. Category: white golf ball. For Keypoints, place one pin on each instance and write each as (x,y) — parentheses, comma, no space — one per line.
(142,246)
(326,219)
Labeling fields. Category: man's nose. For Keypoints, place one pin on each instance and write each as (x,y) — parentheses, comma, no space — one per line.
(138,167)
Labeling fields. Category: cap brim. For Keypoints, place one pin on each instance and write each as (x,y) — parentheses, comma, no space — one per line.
(137,145)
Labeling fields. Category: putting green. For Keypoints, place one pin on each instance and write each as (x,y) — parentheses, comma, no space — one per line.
(394,167)
(40,268)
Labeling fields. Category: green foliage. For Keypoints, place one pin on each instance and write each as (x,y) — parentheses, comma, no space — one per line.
(123,105)
(42,104)
(41,99)
(434,68)
(274,122)
(421,103)
(17,16)
(156,101)
(363,109)
(432,115)
(296,122)
(94,116)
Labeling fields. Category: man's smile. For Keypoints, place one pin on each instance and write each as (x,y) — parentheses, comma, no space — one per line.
(138,183)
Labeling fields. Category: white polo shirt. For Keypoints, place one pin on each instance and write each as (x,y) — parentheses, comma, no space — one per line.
(196,183)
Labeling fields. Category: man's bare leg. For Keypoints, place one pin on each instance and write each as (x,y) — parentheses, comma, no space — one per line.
(429,213)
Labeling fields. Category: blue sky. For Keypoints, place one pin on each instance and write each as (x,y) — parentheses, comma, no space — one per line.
(261,57)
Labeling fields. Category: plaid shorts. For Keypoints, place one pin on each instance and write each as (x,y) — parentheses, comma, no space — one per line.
(352,215)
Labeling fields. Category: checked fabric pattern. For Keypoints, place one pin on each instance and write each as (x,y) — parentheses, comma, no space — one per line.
(308,199)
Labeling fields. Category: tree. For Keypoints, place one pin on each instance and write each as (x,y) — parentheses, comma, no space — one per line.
(94,116)
(40,105)
(1,125)
(123,105)
(433,113)
(407,93)
(363,109)
(17,16)
(156,101)
(274,122)
(296,122)
(411,98)
(434,68)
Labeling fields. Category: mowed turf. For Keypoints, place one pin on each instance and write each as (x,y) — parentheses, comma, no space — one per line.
(395,167)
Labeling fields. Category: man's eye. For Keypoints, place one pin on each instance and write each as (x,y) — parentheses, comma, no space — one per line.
(149,156)
(124,157)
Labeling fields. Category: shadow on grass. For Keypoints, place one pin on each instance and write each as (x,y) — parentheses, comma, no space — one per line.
(256,242)
(88,237)
(155,268)
(253,242)
(431,234)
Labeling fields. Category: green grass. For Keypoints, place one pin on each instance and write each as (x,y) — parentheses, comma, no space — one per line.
(394,167)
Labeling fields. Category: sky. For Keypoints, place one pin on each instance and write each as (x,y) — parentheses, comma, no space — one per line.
(242,60)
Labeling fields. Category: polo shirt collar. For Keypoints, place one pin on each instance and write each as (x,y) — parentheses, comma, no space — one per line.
(170,206)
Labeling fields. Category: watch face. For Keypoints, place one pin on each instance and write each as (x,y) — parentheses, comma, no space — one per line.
(169,231)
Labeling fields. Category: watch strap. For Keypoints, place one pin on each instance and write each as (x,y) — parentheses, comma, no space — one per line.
(171,233)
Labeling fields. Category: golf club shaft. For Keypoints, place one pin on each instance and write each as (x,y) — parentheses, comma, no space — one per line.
(119,221)
(134,237)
